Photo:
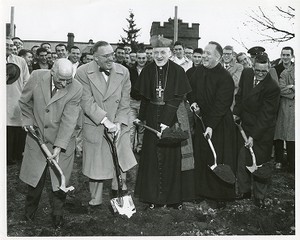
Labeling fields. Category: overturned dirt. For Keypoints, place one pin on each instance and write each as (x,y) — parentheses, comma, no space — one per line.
(196,219)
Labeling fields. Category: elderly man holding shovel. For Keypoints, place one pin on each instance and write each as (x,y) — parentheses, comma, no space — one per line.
(49,104)
(256,107)
(162,85)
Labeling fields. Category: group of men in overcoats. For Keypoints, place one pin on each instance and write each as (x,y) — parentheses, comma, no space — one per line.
(52,99)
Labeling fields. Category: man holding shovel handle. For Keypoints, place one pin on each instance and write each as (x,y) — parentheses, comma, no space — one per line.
(256,106)
(50,108)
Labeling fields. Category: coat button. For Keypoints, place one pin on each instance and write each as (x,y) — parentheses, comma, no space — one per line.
(46,127)
(47,110)
(117,101)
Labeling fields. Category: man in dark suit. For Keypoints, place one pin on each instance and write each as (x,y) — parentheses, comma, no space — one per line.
(256,105)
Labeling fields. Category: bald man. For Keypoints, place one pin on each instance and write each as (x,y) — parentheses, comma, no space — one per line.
(49,101)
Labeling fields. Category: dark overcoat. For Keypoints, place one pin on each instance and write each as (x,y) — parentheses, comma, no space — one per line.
(257,107)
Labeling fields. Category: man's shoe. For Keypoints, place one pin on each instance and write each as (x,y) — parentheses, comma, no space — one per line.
(278,166)
(152,206)
(94,203)
(221,204)
(259,202)
(57,221)
(241,196)
(177,206)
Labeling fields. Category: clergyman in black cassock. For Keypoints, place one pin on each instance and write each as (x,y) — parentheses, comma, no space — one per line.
(162,85)
(212,92)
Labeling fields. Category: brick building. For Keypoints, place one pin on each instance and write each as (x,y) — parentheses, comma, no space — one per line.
(189,36)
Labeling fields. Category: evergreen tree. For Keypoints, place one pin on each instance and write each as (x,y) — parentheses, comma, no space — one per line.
(132,32)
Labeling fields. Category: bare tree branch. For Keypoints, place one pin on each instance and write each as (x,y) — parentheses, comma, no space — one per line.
(266,24)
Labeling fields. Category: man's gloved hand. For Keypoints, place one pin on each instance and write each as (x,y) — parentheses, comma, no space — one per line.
(162,128)
(137,121)
(208,133)
(249,142)
(111,127)
(236,118)
(55,155)
(27,127)
(195,107)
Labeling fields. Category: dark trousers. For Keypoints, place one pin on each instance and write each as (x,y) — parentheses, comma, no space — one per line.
(34,195)
(15,137)
(245,178)
(290,150)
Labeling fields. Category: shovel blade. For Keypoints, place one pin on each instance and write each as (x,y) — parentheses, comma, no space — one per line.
(123,205)
(66,189)
(251,168)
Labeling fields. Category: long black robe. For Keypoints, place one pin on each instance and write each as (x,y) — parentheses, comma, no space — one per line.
(159,173)
(212,90)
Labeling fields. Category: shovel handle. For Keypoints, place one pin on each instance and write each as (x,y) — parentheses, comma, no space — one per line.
(158,134)
(242,132)
(200,118)
(36,135)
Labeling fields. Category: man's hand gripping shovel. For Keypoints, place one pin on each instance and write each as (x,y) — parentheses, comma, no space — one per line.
(223,171)
(33,131)
(254,166)
(122,204)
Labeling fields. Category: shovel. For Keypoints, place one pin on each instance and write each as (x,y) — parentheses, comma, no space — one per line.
(122,204)
(170,136)
(33,131)
(223,171)
(158,134)
(254,167)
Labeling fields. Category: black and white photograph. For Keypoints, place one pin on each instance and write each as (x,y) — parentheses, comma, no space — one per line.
(149,119)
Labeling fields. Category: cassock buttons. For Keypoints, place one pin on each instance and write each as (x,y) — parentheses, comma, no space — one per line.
(47,110)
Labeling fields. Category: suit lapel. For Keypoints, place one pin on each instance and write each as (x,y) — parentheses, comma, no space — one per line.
(59,94)
(257,88)
(97,78)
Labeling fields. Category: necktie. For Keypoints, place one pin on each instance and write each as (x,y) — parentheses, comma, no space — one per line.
(255,82)
(226,66)
(106,72)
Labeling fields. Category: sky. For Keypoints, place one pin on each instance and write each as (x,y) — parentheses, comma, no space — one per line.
(221,21)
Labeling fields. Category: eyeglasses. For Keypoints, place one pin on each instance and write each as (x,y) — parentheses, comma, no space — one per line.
(261,71)
(107,55)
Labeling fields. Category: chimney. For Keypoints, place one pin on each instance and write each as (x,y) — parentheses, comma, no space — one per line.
(70,41)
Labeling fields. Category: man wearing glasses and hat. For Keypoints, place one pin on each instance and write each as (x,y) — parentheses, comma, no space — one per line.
(162,85)
(256,106)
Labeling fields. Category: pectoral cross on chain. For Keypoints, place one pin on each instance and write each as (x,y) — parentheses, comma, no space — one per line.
(159,90)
